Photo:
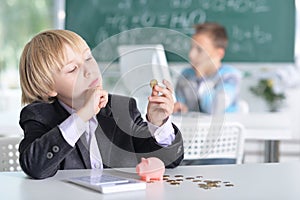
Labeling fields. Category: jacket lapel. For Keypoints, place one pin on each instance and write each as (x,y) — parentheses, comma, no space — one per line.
(83,148)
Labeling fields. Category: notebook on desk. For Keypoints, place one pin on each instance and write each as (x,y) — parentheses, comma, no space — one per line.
(108,184)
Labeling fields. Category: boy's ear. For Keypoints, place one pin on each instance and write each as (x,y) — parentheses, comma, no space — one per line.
(221,53)
(52,93)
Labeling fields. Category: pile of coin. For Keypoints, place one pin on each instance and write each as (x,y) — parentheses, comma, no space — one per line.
(204,184)
(178,179)
(208,184)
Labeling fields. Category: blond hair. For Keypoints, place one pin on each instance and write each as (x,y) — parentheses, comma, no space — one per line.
(42,56)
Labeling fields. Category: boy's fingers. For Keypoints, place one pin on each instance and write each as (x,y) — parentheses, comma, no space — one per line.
(103,97)
(164,91)
(168,85)
(160,99)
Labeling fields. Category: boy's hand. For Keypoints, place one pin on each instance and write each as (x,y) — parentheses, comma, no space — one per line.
(161,104)
(97,98)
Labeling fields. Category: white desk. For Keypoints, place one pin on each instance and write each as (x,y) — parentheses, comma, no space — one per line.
(264,126)
(251,181)
(270,127)
(258,126)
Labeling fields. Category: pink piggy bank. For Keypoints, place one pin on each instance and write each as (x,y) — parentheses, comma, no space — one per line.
(151,169)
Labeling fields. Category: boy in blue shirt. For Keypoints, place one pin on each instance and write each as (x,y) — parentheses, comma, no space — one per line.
(208,86)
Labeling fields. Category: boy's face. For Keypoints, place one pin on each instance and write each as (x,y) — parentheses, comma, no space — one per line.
(204,55)
(79,74)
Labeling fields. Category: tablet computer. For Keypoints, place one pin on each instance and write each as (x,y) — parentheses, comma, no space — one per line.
(108,183)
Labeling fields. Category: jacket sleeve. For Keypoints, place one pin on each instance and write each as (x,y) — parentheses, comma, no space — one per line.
(43,148)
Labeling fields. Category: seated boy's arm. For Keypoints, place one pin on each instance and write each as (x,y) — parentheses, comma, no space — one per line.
(230,88)
(221,96)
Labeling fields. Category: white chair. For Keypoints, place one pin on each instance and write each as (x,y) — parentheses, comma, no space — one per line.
(203,140)
(9,154)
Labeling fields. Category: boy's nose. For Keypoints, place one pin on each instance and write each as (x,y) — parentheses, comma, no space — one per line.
(191,54)
(87,72)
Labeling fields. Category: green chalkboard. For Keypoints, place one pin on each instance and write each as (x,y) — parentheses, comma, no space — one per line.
(259,30)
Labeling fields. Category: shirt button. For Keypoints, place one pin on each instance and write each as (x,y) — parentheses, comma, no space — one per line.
(55,149)
(96,166)
(49,155)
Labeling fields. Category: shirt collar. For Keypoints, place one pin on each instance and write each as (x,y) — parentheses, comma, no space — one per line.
(68,108)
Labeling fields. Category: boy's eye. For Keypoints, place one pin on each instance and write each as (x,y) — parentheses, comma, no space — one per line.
(89,58)
(199,49)
(73,69)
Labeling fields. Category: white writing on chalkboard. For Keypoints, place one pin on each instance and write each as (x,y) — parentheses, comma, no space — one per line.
(235,5)
(254,26)
(213,5)
(186,19)
(176,20)
(255,33)
(181,3)
(244,40)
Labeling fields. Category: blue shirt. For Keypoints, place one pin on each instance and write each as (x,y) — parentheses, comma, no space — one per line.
(212,94)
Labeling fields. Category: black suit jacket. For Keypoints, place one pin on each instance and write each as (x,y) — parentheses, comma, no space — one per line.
(122,135)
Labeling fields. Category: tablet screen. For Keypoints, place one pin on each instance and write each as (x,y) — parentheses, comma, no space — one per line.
(101,179)
(108,184)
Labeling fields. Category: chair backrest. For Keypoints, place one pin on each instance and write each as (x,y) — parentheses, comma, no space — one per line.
(9,154)
(203,140)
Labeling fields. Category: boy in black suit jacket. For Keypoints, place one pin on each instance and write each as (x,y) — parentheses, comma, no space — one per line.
(71,122)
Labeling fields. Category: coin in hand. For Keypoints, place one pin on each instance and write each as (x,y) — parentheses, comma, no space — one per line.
(153,82)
